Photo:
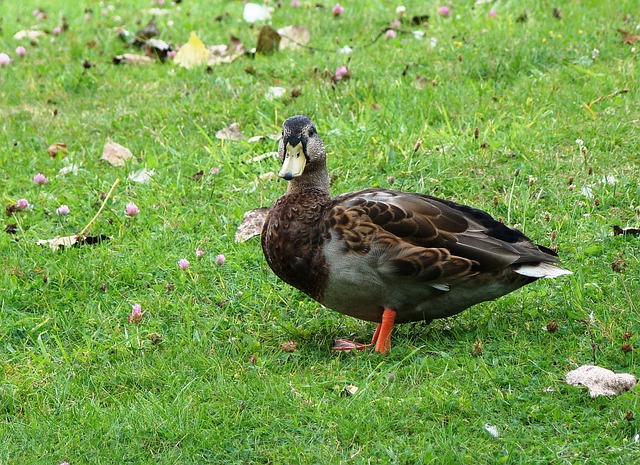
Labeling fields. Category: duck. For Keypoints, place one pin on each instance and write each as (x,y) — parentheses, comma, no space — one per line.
(387,256)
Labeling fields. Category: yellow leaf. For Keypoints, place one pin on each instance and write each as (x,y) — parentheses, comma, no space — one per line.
(193,53)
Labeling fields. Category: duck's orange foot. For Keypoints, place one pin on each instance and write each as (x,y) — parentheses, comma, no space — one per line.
(381,338)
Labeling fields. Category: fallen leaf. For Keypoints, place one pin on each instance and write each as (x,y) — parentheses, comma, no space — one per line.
(197,176)
(629,37)
(193,53)
(148,32)
(231,132)
(268,40)
(420,20)
(600,381)
(131,59)
(350,390)
(226,53)
(72,168)
(289,346)
(557,13)
(618,231)
(275,92)
(294,37)
(116,154)
(75,240)
(28,34)
(156,48)
(56,148)
(251,224)
(142,176)
(254,12)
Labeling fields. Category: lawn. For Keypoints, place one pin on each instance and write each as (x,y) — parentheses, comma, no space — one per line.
(529,112)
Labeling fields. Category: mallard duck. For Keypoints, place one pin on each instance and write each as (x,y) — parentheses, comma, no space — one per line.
(387,256)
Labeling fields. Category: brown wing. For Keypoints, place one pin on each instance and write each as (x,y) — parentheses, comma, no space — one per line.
(430,237)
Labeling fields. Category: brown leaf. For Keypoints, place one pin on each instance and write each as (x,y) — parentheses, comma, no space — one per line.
(148,32)
(419,20)
(231,132)
(251,225)
(268,40)
(226,53)
(628,37)
(289,346)
(56,148)
(116,154)
(197,176)
(557,13)
(11,228)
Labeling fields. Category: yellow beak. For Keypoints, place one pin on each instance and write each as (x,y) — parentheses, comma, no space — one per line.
(294,162)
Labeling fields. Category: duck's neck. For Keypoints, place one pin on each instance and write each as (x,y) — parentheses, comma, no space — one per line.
(316,180)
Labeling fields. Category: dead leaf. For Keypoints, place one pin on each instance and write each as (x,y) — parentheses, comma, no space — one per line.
(156,48)
(131,59)
(349,390)
(142,176)
(268,40)
(197,176)
(618,231)
(11,228)
(600,381)
(251,224)
(116,154)
(56,148)
(148,32)
(75,240)
(231,132)
(289,346)
(31,35)
(629,37)
(226,53)
(193,53)
(275,93)
(294,37)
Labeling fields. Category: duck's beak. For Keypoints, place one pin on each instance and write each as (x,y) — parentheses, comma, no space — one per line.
(294,162)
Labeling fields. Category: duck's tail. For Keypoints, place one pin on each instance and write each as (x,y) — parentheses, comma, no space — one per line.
(541,270)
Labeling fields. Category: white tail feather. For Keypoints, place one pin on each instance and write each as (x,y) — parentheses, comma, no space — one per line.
(541,270)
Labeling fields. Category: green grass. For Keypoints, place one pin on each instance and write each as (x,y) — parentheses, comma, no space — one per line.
(203,379)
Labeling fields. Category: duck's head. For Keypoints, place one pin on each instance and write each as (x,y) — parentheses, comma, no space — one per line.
(300,149)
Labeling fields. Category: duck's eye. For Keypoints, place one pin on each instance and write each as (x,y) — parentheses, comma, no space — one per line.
(312,131)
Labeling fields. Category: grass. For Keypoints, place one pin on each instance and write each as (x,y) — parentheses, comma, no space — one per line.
(497,104)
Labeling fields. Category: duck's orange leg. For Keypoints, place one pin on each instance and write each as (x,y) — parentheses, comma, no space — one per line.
(382,336)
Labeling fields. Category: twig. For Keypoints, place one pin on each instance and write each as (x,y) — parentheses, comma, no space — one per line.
(104,202)
(368,44)
(604,97)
